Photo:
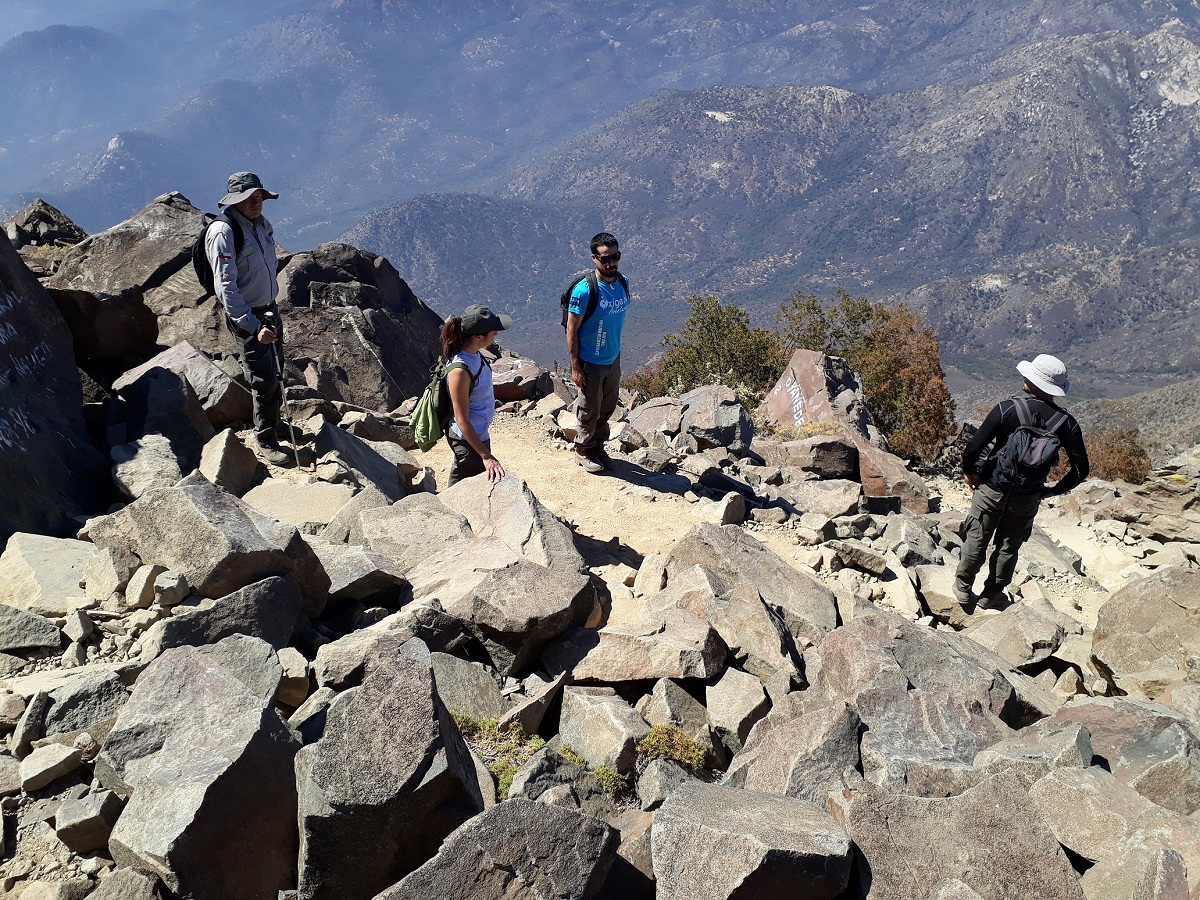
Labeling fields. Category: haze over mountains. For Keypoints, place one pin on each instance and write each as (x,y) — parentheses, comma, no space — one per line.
(1021,171)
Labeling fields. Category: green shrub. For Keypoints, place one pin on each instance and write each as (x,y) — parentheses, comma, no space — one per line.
(717,346)
(503,750)
(669,742)
(573,756)
(611,780)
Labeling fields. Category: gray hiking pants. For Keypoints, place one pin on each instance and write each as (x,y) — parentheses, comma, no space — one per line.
(1006,517)
(261,373)
(597,402)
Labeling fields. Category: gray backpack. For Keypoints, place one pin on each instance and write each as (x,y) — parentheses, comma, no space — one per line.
(1027,457)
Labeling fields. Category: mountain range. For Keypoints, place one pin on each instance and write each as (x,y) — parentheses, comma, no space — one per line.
(1021,172)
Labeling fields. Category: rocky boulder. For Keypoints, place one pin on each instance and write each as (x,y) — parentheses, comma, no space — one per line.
(355,330)
(387,782)
(52,472)
(217,542)
(108,328)
(224,400)
(41,224)
(207,766)
(713,417)
(519,848)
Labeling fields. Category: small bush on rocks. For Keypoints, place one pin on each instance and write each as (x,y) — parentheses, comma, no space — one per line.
(668,742)
(612,781)
(1117,455)
(503,750)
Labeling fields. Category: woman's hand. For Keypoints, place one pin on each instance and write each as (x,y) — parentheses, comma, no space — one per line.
(495,471)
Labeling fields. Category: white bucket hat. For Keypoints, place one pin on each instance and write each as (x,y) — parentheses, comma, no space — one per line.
(1046,373)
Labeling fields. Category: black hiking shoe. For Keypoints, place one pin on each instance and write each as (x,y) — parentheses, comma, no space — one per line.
(270,451)
(588,462)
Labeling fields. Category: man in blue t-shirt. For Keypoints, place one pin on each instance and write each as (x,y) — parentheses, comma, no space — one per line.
(594,345)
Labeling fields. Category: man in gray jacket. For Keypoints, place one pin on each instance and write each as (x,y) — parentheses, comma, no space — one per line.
(244,269)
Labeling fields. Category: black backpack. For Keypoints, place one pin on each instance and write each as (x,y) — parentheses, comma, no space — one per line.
(204,272)
(593,295)
(1027,457)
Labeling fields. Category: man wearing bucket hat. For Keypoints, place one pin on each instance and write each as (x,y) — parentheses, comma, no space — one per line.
(244,268)
(1009,483)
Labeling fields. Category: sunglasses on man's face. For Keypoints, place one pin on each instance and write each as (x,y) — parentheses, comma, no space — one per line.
(609,257)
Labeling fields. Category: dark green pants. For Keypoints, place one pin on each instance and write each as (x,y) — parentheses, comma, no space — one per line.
(1005,518)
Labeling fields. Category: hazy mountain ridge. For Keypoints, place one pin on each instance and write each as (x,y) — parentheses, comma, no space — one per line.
(1070,182)
(361,103)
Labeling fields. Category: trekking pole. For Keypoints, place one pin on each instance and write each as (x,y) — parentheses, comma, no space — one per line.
(284,406)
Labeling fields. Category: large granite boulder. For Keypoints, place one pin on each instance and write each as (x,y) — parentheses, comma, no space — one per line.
(41,224)
(366,465)
(355,330)
(107,328)
(713,417)
(712,842)
(805,606)
(43,575)
(217,542)
(507,509)
(1150,629)
(756,637)
(516,610)
(991,837)
(224,400)
(52,472)
(929,700)
(207,767)
(389,779)
(519,848)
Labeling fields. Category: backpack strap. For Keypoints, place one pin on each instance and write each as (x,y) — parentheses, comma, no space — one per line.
(593,297)
(1024,417)
(474,376)
(1057,422)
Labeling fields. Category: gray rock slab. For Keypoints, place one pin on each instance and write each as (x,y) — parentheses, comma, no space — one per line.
(516,610)
(601,727)
(128,884)
(1151,748)
(89,698)
(507,509)
(41,575)
(162,402)
(1037,749)
(388,780)
(930,701)
(735,702)
(1019,635)
(46,764)
(530,713)
(713,417)
(145,464)
(346,525)
(358,574)
(223,399)
(342,663)
(1150,625)
(218,543)
(266,609)
(671,644)
(20,630)
(251,660)
(835,497)
(991,837)
(209,769)
(519,848)
(468,689)
(413,529)
(757,637)
(802,749)
(1097,817)
(228,463)
(365,465)
(712,841)
(308,506)
(85,825)
(805,606)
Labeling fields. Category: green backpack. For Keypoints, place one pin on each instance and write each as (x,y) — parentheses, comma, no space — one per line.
(433,412)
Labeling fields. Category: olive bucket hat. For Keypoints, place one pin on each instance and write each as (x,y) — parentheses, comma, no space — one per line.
(241,185)
(478,319)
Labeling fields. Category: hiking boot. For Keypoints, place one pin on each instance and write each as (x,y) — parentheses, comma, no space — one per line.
(994,598)
(601,456)
(963,596)
(270,451)
(588,463)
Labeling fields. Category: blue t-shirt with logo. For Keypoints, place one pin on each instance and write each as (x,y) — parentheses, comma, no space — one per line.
(600,335)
